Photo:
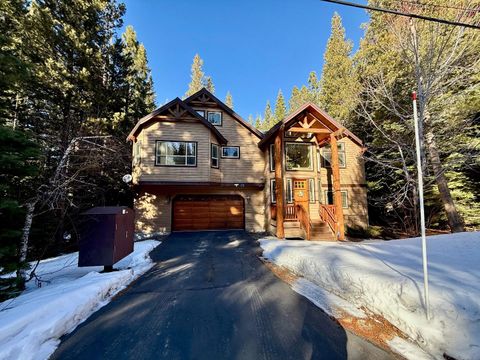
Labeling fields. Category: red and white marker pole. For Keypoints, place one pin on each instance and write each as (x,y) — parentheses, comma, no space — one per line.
(421,204)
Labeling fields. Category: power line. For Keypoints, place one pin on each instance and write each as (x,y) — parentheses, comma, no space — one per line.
(399,13)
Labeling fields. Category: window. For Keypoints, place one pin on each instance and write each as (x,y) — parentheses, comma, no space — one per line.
(215,117)
(175,153)
(201,112)
(319,191)
(137,154)
(311,190)
(272,157)
(329,198)
(298,156)
(289,191)
(231,152)
(327,155)
(214,155)
(273,191)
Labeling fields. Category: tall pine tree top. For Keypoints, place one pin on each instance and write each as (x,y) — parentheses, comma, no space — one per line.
(198,78)
(268,120)
(280,108)
(229,100)
(339,85)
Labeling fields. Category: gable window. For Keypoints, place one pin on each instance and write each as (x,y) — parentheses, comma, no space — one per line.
(231,152)
(311,190)
(329,198)
(214,155)
(272,157)
(201,112)
(175,153)
(327,155)
(298,156)
(273,191)
(214,117)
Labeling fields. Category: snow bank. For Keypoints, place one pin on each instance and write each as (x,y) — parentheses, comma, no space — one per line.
(32,323)
(387,278)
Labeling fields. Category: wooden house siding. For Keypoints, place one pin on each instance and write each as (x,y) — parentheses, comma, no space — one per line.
(247,169)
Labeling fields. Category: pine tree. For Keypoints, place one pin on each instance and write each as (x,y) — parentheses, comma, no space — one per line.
(13,66)
(250,119)
(313,88)
(280,108)
(229,100)
(18,167)
(259,123)
(339,87)
(140,97)
(268,119)
(294,102)
(209,84)
(197,76)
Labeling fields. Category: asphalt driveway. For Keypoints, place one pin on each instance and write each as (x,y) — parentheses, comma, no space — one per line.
(210,297)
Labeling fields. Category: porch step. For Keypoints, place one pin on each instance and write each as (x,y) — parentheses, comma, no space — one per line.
(321,231)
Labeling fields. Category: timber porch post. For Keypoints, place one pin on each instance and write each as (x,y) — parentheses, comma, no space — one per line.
(279,182)
(337,195)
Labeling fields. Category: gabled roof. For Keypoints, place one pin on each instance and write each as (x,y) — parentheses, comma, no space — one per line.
(205,96)
(326,120)
(176,109)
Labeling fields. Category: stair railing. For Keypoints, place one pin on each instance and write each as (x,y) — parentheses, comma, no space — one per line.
(328,215)
(304,218)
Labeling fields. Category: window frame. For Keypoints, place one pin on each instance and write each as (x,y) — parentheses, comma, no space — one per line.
(311,191)
(231,157)
(212,145)
(319,192)
(273,191)
(342,192)
(201,111)
(289,192)
(310,145)
(271,157)
(137,153)
(186,156)
(340,152)
(215,112)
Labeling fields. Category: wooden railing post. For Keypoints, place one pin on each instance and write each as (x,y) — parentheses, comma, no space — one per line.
(337,195)
(279,183)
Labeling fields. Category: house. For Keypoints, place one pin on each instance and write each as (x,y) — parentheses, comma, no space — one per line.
(197,165)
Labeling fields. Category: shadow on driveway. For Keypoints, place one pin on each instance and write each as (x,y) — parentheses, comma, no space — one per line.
(209,297)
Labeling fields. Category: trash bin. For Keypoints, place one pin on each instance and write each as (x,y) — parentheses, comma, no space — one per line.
(106,236)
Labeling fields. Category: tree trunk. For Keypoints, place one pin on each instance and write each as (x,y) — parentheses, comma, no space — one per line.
(22,252)
(455,221)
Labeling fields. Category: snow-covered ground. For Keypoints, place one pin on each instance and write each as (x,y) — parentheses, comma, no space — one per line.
(386,277)
(32,323)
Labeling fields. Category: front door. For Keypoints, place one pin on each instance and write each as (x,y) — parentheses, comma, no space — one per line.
(300,192)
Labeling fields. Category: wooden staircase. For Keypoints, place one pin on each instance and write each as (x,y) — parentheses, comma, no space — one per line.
(298,223)
(321,231)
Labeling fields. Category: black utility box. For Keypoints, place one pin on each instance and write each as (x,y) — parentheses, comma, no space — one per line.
(106,236)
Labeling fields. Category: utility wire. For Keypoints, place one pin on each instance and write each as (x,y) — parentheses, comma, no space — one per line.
(399,13)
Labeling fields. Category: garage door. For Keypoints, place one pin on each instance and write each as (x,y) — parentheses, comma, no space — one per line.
(212,212)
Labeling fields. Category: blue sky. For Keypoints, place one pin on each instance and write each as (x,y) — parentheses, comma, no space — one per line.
(252,48)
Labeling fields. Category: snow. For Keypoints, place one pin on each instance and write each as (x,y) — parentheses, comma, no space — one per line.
(32,323)
(386,277)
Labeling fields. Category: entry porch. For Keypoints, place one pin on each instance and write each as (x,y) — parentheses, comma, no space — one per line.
(292,213)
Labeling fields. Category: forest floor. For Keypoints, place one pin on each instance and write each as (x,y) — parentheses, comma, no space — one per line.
(375,288)
(32,323)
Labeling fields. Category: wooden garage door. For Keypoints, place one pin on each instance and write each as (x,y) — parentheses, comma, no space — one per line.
(212,212)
